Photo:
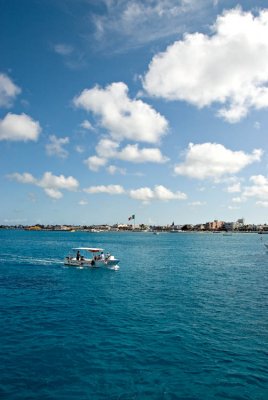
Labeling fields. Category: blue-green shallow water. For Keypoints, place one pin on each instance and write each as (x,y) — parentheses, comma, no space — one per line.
(185,317)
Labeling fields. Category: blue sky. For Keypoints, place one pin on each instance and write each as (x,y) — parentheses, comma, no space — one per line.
(154,108)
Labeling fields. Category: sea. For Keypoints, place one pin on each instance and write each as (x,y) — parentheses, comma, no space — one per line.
(185,317)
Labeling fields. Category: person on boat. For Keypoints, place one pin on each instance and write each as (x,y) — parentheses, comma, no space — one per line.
(78,255)
(102,256)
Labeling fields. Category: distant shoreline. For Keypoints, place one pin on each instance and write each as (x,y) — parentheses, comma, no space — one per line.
(136,230)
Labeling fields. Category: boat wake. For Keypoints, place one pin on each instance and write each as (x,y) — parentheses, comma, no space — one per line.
(26,260)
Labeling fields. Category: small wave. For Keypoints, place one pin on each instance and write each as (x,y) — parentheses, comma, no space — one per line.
(24,260)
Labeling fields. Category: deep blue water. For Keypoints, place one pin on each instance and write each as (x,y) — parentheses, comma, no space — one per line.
(185,317)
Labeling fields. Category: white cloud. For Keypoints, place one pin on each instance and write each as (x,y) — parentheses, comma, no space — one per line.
(108,149)
(228,67)
(52,184)
(23,178)
(110,189)
(162,193)
(53,193)
(159,192)
(58,182)
(234,188)
(94,163)
(112,169)
(145,194)
(262,203)
(82,202)
(8,91)
(21,127)
(258,189)
(237,200)
(121,116)
(132,23)
(212,160)
(132,153)
(55,147)
(87,125)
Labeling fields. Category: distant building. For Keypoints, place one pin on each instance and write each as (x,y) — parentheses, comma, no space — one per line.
(214,226)
(230,226)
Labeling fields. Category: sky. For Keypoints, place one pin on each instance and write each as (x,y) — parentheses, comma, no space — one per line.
(157,108)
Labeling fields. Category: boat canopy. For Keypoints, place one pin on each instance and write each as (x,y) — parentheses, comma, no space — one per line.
(92,249)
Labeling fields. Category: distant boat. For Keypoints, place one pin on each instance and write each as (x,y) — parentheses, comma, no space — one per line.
(155,233)
(98,258)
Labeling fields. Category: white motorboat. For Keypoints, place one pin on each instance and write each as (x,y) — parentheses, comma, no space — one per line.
(91,257)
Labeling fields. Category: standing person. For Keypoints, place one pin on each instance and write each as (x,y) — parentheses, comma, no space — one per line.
(78,255)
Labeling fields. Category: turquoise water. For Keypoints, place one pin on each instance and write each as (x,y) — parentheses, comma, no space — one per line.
(185,317)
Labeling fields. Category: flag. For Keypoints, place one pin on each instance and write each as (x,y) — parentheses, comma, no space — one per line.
(132,217)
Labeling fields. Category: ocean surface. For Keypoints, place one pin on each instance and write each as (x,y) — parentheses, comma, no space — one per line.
(185,317)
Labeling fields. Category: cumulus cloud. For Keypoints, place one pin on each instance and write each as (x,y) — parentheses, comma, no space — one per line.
(258,189)
(23,178)
(108,149)
(236,187)
(145,194)
(14,127)
(94,163)
(8,91)
(121,116)
(58,182)
(53,193)
(112,170)
(159,192)
(55,147)
(262,203)
(87,125)
(52,184)
(228,67)
(110,189)
(132,153)
(212,160)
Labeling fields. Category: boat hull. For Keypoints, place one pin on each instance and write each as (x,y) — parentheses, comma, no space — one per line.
(109,263)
